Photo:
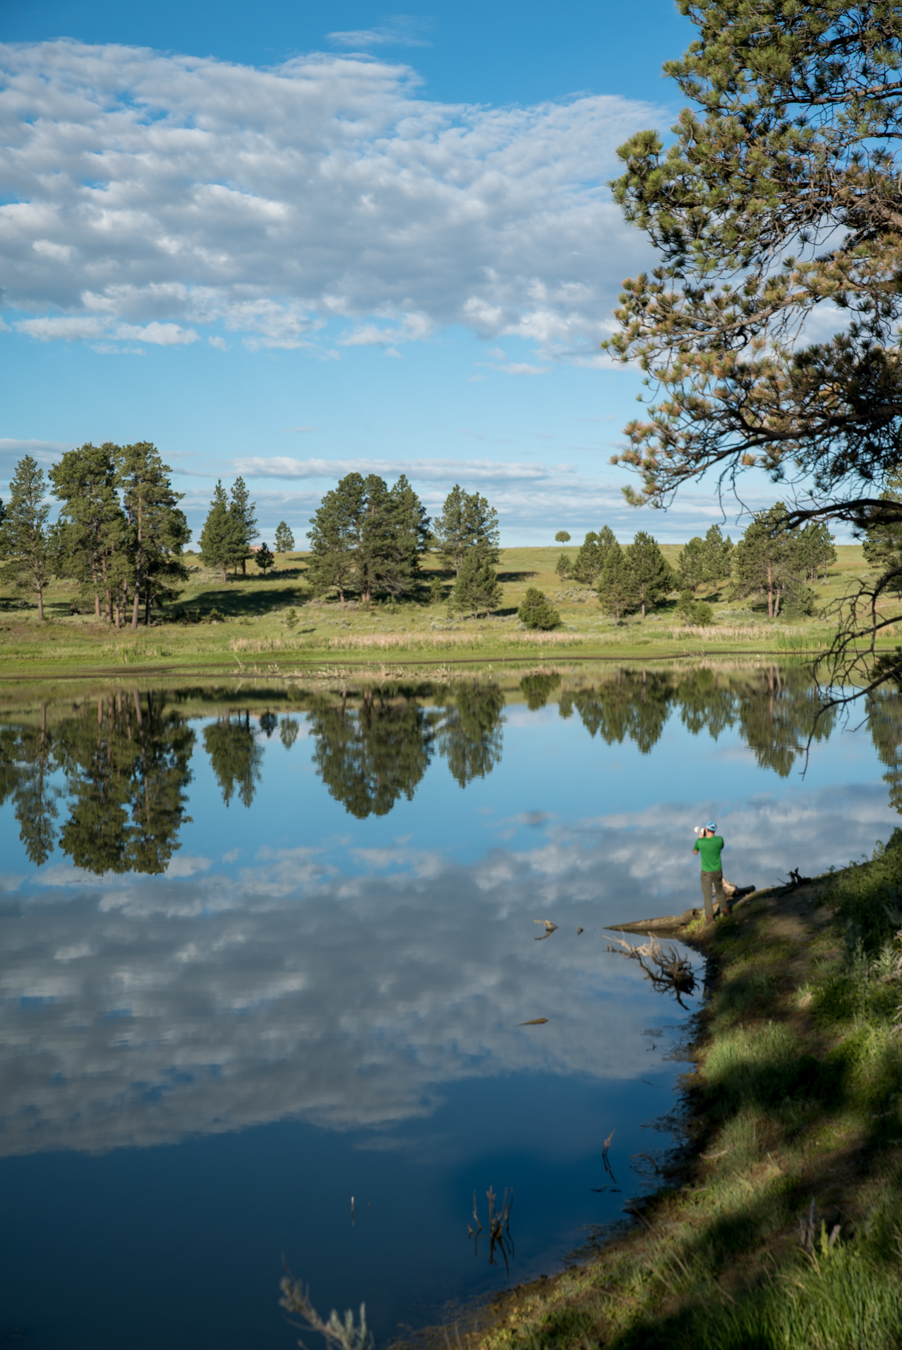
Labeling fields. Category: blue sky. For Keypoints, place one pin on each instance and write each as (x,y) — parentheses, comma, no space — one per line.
(302,239)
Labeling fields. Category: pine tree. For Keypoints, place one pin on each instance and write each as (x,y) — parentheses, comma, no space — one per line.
(477,586)
(563,567)
(536,611)
(242,509)
(221,540)
(335,537)
(562,537)
(466,522)
(157,528)
(368,536)
(817,550)
(882,542)
(25,538)
(693,565)
(651,576)
(284,539)
(264,558)
(92,527)
(590,557)
(763,561)
(616,592)
(718,557)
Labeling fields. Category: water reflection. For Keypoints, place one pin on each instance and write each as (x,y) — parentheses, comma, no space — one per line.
(122,762)
(125,762)
(235,755)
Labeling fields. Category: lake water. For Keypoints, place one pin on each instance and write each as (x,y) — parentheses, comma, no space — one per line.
(264,950)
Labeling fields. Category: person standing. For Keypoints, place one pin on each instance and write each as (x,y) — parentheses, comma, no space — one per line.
(709,845)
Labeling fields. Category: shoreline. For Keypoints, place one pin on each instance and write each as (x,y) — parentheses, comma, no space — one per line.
(791,1156)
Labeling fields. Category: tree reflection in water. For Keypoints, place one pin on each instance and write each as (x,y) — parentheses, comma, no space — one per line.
(122,762)
(235,756)
(125,761)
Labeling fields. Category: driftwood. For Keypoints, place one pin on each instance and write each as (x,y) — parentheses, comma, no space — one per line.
(672,923)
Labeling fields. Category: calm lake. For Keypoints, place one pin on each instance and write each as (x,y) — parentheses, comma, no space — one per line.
(266,949)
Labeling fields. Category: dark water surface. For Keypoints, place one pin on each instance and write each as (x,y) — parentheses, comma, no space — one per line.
(264,950)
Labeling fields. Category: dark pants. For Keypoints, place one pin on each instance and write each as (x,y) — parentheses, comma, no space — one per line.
(713,881)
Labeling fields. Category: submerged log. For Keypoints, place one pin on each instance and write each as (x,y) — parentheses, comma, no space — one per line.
(672,923)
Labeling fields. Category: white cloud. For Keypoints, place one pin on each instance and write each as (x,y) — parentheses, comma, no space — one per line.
(475,470)
(402,30)
(152,195)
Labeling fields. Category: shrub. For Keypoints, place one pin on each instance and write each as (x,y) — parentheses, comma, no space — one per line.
(701,614)
(536,612)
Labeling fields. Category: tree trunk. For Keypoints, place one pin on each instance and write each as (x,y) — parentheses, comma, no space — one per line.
(777,603)
(770,592)
(643,609)
(224,576)
(139,560)
(41,602)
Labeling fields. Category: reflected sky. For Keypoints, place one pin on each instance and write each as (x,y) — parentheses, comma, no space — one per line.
(314,986)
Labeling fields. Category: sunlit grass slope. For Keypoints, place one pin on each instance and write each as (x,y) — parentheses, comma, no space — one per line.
(274,618)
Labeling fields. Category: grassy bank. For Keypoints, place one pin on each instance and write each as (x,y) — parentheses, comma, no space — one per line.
(258,621)
(794,1114)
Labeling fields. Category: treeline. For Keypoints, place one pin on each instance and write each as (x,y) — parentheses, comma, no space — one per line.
(771,563)
(368,540)
(119,534)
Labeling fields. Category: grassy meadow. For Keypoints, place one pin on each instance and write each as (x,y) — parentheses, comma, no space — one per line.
(260,621)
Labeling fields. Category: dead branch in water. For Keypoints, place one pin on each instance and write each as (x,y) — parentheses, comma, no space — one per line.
(662,964)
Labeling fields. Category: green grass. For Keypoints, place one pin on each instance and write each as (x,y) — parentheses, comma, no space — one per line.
(244,623)
(796,1098)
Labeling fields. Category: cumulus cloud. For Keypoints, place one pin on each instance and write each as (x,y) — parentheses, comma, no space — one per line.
(148,195)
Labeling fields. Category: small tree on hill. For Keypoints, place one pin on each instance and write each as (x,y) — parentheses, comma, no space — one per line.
(562,537)
(24,536)
(264,558)
(466,522)
(536,611)
(591,556)
(764,563)
(246,531)
(616,592)
(563,567)
(816,549)
(718,557)
(477,586)
(692,564)
(284,539)
(651,575)
(222,538)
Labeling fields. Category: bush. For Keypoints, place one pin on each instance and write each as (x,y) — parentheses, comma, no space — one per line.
(536,612)
(700,615)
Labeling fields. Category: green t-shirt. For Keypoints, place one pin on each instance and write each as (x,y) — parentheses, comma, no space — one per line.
(710,851)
